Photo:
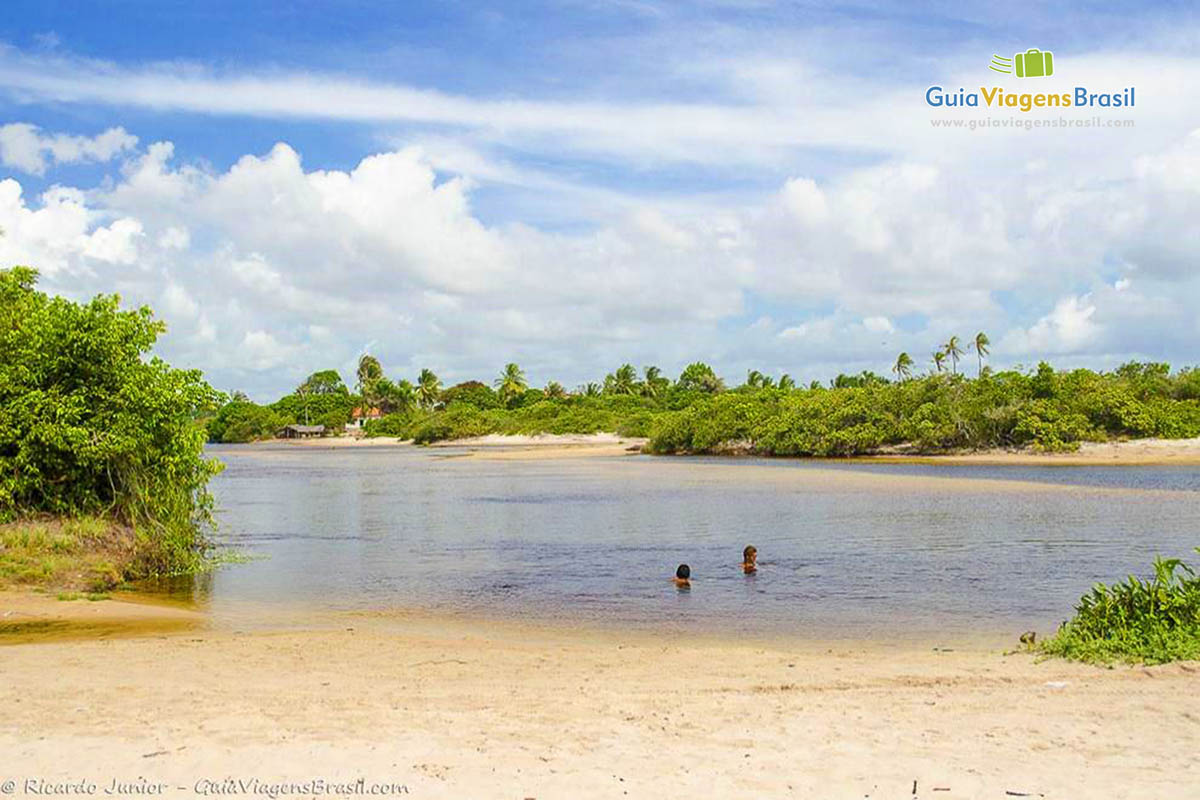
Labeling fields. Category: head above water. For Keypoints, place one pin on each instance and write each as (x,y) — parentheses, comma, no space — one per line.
(750,552)
(684,572)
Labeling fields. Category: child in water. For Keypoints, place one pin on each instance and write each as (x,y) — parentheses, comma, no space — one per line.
(683,576)
(750,559)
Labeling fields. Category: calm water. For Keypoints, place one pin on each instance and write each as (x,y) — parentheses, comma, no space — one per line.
(845,549)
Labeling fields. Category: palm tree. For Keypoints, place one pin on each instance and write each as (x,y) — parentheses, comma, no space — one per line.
(786,382)
(429,389)
(392,398)
(555,391)
(653,383)
(981,348)
(511,383)
(903,366)
(955,351)
(590,390)
(939,359)
(623,381)
(369,371)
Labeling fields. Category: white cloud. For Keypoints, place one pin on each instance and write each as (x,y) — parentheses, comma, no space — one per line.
(24,147)
(268,270)
(1068,328)
(878,325)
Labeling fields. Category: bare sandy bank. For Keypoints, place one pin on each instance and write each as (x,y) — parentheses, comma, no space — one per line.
(1137,452)
(454,709)
(547,446)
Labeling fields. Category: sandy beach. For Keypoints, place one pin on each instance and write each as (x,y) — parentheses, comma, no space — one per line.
(454,708)
(1137,452)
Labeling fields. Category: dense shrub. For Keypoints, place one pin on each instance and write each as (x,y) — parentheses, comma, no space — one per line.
(472,393)
(456,422)
(1045,410)
(89,424)
(311,409)
(1152,621)
(242,421)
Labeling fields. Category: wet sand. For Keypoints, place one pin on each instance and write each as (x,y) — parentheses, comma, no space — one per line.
(454,708)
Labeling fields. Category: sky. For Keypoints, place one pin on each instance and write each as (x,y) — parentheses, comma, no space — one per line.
(575,185)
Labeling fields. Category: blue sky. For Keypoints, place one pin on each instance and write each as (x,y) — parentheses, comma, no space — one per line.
(575,185)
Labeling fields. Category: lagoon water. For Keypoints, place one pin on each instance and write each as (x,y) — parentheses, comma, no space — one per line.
(846,549)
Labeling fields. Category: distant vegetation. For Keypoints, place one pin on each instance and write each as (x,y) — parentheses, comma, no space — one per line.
(941,410)
(1153,621)
(95,431)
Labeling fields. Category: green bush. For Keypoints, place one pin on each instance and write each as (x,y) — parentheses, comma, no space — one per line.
(1151,621)
(241,421)
(389,425)
(310,409)
(90,424)
(472,393)
(457,422)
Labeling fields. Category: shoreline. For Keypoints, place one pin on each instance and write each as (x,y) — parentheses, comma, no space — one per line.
(1135,452)
(468,709)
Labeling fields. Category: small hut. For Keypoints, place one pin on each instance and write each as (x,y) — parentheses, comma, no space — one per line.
(301,431)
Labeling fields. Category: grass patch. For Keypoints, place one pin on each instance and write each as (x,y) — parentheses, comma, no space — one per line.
(1151,621)
(82,557)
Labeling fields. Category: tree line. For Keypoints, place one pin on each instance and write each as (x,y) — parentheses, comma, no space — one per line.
(939,410)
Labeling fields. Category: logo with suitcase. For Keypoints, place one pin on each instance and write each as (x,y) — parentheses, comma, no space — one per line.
(1033,63)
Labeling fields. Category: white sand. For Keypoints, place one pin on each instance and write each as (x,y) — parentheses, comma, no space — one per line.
(456,709)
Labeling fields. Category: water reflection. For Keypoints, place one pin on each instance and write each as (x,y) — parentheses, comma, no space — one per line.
(598,539)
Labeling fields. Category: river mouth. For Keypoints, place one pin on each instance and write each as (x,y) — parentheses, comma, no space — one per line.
(846,551)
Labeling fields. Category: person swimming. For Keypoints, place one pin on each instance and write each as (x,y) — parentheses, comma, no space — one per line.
(750,559)
(683,577)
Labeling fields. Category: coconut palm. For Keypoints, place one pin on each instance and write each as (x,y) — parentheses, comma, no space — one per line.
(623,381)
(754,379)
(429,389)
(980,345)
(368,372)
(554,390)
(903,366)
(786,382)
(393,398)
(653,383)
(939,360)
(590,390)
(954,351)
(511,383)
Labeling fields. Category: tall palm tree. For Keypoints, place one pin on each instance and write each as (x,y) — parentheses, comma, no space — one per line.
(554,390)
(786,382)
(755,379)
(903,366)
(980,346)
(939,360)
(590,390)
(511,383)
(368,372)
(954,351)
(429,389)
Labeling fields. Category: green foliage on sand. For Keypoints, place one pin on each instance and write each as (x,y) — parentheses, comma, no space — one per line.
(90,425)
(1041,409)
(1153,620)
